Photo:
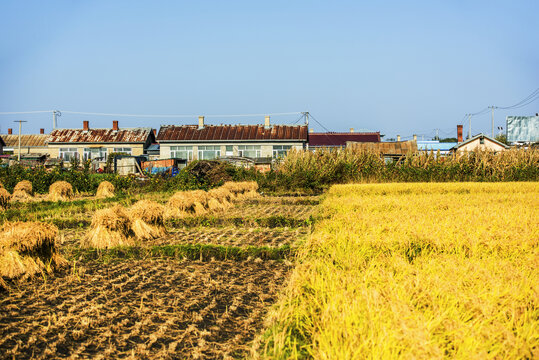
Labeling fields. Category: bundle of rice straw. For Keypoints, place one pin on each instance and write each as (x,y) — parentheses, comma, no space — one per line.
(4,198)
(147,220)
(186,203)
(242,190)
(110,227)
(60,191)
(222,195)
(27,248)
(105,190)
(22,192)
(250,189)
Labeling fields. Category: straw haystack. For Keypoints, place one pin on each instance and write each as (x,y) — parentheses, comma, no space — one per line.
(110,227)
(214,205)
(25,186)
(105,190)
(60,191)
(5,196)
(223,195)
(242,190)
(147,220)
(27,248)
(22,192)
(179,205)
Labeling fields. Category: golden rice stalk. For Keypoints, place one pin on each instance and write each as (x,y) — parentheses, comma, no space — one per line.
(110,227)
(25,186)
(5,196)
(27,248)
(224,196)
(147,220)
(105,190)
(199,209)
(200,196)
(60,191)
(179,205)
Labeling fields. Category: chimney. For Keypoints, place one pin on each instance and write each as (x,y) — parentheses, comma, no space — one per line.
(311,130)
(266,121)
(42,131)
(85,125)
(115,125)
(351,130)
(459,133)
(10,131)
(415,137)
(398,138)
(201,122)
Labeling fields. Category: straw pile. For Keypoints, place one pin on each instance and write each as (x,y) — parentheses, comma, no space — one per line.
(105,190)
(147,220)
(27,248)
(60,191)
(110,227)
(5,196)
(22,192)
(242,190)
(185,203)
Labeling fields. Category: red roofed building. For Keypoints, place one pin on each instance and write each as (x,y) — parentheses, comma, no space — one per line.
(206,142)
(339,140)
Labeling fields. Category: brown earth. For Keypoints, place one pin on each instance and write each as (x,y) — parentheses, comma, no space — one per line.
(144,309)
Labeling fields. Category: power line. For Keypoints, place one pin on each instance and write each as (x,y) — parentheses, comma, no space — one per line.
(26,112)
(176,116)
(526,101)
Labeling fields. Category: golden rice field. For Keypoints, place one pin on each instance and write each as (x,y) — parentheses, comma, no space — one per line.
(414,271)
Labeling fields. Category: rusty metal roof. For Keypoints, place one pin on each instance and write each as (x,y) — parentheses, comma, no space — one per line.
(340,139)
(385,148)
(123,135)
(171,133)
(37,140)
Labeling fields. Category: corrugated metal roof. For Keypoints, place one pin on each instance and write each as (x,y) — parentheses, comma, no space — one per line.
(123,135)
(386,148)
(340,139)
(232,133)
(36,140)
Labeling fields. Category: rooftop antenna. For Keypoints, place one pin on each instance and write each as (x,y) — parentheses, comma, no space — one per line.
(55,113)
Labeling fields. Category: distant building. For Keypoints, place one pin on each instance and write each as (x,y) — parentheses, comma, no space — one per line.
(35,144)
(389,150)
(434,145)
(339,140)
(480,142)
(97,144)
(2,145)
(207,142)
(522,129)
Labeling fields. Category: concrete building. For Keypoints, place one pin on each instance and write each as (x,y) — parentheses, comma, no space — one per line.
(35,144)
(206,142)
(480,142)
(88,143)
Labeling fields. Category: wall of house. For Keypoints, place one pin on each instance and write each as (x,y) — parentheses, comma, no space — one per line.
(53,149)
(31,150)
(266,149)
(476,145)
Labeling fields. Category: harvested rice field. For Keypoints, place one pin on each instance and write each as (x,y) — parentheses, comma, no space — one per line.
(200,290)
(144,309)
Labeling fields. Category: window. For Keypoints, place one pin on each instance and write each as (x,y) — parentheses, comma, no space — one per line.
(181,152)
(67,154)
(280,151)
(209,152)
(95,154)
(123,150)
(229,150)
(251,151)
(482,141)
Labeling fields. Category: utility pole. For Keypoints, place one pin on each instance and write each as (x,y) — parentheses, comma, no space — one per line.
(306,114)
(492,117)
(437,134)
(20,127)
(470,128)
(55,113)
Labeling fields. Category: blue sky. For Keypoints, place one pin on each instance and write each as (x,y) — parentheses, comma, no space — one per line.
(390,66)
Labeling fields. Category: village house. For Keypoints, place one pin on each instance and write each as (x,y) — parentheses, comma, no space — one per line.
(206,142)
(479,142)
(88,143)
(339,139)
(31,144)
